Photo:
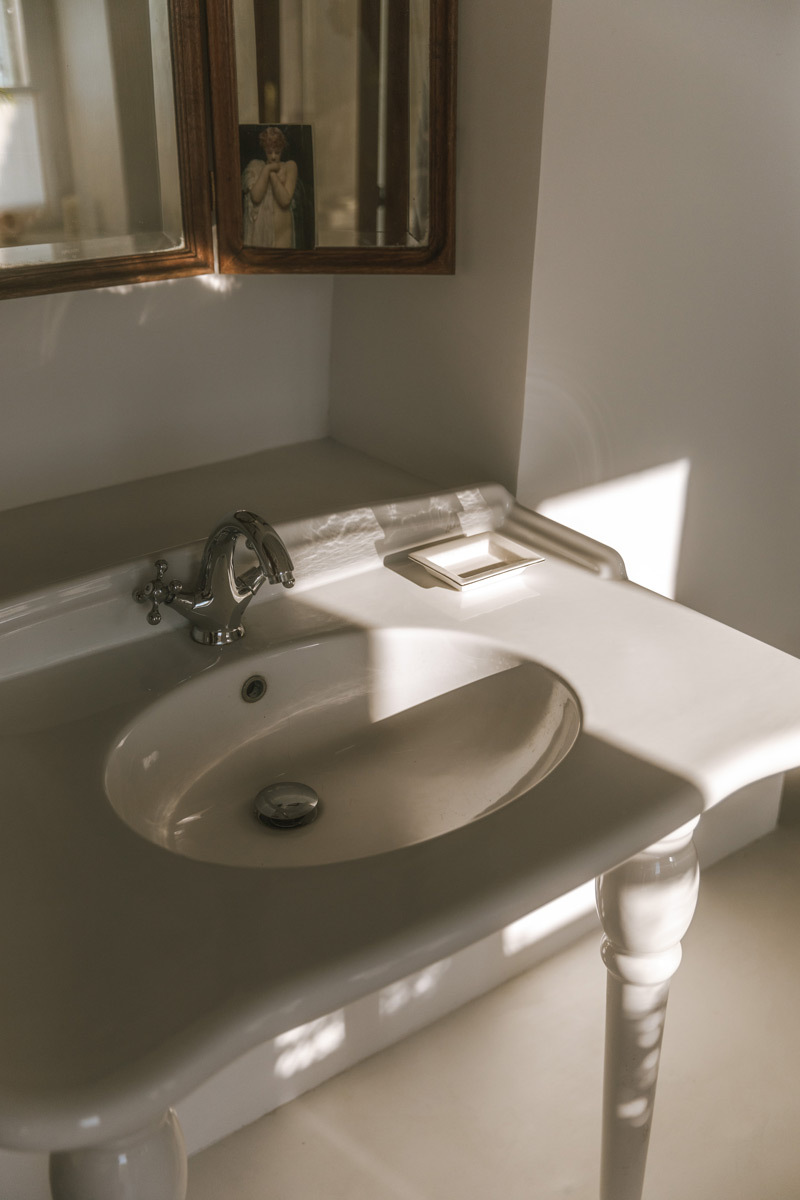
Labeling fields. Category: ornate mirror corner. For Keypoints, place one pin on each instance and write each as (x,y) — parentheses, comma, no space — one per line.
(334,134)
(104,170)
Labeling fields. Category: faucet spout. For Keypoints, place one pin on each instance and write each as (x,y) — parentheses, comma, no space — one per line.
(216,606)
(269,548)
(274,563)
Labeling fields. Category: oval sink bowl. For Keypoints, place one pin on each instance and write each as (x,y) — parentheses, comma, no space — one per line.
(403,734)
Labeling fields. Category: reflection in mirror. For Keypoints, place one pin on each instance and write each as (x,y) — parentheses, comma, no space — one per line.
(333,111)
(88,148)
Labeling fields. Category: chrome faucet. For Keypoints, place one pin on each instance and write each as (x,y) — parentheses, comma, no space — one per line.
(216,606)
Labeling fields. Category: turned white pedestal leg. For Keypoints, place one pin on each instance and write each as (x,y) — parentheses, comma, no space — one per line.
(150,1165)
(646,905)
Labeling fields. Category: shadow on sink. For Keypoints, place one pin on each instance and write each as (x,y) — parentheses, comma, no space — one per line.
(403,734)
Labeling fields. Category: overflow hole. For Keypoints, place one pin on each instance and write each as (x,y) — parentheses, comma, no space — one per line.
(254,688)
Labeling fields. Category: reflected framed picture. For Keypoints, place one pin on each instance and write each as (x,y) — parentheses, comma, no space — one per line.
(277,165)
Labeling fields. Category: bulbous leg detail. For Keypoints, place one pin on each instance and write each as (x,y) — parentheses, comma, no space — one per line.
(646,906)
(150,1165)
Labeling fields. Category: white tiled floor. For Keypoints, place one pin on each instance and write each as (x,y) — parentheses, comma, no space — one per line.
(501,1100)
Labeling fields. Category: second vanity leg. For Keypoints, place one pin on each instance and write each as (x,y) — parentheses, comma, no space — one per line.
(646,905)
(150,1165)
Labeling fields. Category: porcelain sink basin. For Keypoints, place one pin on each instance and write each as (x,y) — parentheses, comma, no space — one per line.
(404,734)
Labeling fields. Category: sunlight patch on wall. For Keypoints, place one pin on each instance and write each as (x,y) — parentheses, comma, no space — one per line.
(548,919)
(223,284)
(300,1048)
(125,289)
(639,515)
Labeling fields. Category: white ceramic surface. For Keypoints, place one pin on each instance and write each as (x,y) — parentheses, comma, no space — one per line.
(404,734)
(150,1166)
(131,973)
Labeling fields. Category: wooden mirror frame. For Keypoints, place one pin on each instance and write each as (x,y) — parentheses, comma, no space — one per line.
(196,256)
(438,257)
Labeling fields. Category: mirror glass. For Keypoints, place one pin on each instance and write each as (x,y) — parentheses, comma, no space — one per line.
(333,101)
(88,148)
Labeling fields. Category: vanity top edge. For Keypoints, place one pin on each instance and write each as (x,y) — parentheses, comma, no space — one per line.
(490,502)
(86,532)
(339,541)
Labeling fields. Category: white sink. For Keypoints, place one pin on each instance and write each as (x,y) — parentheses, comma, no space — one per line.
(404,734)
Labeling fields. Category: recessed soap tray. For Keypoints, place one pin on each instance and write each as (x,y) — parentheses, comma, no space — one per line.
(465,561)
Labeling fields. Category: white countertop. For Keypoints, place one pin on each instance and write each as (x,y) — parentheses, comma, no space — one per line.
(656,679)
(130,973)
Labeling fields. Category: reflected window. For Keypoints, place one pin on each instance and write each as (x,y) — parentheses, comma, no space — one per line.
(22,189)
(13,73)
(88,163)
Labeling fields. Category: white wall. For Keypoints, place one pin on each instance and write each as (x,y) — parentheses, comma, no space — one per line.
(428,373)
(664,306)
(102,387)
(666,287)
(105,386)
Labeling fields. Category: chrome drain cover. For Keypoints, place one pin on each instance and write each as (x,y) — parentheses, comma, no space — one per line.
(287,805)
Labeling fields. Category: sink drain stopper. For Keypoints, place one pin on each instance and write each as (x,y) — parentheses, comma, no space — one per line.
(287,805)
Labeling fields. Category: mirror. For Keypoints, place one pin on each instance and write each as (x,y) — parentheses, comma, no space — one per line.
(333,131)
(91,187)
(334,134)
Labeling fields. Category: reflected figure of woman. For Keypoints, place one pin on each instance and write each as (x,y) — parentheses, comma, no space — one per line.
(268,189)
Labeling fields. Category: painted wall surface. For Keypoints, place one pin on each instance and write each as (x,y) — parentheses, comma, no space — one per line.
(105,386)
(666,293)
(102,387)
(663,296)
(429,373)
